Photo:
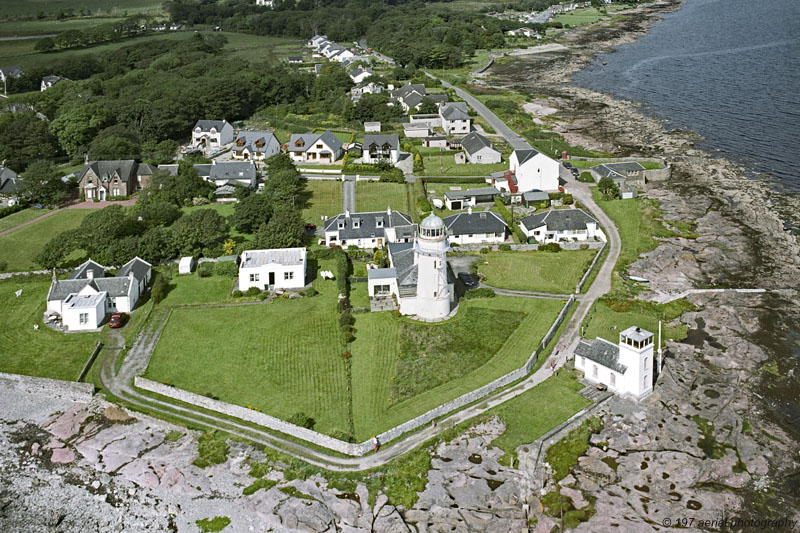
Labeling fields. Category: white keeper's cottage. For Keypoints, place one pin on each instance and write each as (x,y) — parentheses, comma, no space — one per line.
(275,268)
(625,368)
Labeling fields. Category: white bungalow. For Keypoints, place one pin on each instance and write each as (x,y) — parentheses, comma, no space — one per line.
(561,225)
(625,368)
(482,227)
(212,134)
(255,146)
(275,268)
(480,150)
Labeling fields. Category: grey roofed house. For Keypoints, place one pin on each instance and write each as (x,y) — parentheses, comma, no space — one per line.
(381,273)
(49,81)
(88,270)
(478,222)
(365,225)
(380,140)
(413,100)
(408,89)
(334,142)
(437,98)
(136,266)
(526,154)
(10,72)
(535,195)
(455,111)
(106,169)
(559,220)
(115,287)
(469,193)
(206,125)
(280,256)
(234,171)
(602,352)
(10,183)
(257,142)
(474,142)
(357,72)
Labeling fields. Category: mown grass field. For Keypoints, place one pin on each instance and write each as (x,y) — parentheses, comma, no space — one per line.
(586,15)
(15,219)
(377,362)
(19,248)
(48,26)
(445,165)
(374,196)
(191,289)
(282,357)
(43,352)
(536,271)
(23,8)
(322,198)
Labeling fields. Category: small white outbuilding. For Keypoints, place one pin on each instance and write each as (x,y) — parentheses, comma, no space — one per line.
(186,265)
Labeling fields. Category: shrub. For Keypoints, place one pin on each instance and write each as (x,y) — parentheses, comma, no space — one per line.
(484,250)
(584,247)
(160,286)
(342,435)
(205,270)
(346,319)
(303,420)
(482,292)
(550,247)
(3,265)
(312,292)
(237,294)
(212,449)
(252,291)
(263,296)
(586,177)
(344,304)
(504,247)
(566,199)
(423,204)
(10,210)
(226,268)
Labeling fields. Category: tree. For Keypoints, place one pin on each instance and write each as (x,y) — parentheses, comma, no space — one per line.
(608,188)
(284,186)
(57,249)
(45,44)
(284,230)
(164,187)
(428,107)
(101,230)
(76,126)
(419,165)
(200,232)
(42,184)
(251,212)
(158,214)
(157,246)
(115,142)
(24,138)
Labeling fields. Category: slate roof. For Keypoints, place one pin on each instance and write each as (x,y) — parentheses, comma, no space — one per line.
(379,140)
(234,171)
(403,260)
(139,267)
(310,138)
(52,80)
(381,273)
(559,220)
(474,142)
(438,98)
(9,181)
(12,72)
(206,125)
(367,224)
(85,301)
(271,146)
(469,193)
(115,287)
(455,111)
(535,195)
(357,72)
(413,100)
(409,88)
(281,256)
(471,223)
(98,270)
(601,352)
(524,155)
(126,169)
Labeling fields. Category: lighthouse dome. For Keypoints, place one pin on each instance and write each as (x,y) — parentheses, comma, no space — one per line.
(432,227)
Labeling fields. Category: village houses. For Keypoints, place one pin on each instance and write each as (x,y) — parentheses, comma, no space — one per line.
(255,146)
(529,170)
(479,150)
(378,148)
(480,227)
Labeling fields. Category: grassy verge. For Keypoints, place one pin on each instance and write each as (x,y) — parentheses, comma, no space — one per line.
(20,217)
(19,248)
(375,196)
(536,271)
(321,198)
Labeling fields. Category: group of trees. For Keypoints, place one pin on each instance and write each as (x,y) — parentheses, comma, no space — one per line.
(128,27)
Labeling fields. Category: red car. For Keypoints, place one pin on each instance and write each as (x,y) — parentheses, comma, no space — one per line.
(117,320)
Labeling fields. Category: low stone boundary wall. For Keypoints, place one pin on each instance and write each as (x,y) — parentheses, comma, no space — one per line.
(354,449)
(79,392)
(525,247)
(589,270)
(90,362)
(318,170)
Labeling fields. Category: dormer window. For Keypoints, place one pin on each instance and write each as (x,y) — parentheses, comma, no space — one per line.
(378,222)
(341,224)
(299,143)
(240,142)
(356,223)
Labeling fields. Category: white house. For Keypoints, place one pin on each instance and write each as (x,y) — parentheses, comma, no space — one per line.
(49,81)
(455,118)
(479,150)
(361,74)
(78,298)
(186,265)
(255,146)
(561,225)
(528,170)
(315,147)
(458,200)
(366,88)
(265,3)
(417,130)
(625,368)
(277,268)
(476,228)
(372,127)
(10,186)
(418,277)
(369,230)
(212,134)
(381,148)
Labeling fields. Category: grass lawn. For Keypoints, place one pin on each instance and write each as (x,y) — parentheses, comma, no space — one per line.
(192,289)
(224,209)
(580,17)
(259,48)
(359,294)
(378,363)
(375,196)
(19,248)
(445,165)
(535,412)
(44,353)
(606,321)
(322,198)
(253,355)
(118,7)
(43,27)
(15,219)
(536,271)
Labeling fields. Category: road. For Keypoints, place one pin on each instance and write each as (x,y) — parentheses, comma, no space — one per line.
(349,194)
(511,137)
(363,44)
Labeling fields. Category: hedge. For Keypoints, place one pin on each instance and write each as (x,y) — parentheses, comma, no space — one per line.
(10,210)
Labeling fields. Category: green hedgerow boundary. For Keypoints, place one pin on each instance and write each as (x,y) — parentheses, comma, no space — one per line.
(337,445)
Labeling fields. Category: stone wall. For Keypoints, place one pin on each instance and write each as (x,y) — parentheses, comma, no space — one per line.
(526,247)
(589,270)
(658,174)
(78,392)
(357,449)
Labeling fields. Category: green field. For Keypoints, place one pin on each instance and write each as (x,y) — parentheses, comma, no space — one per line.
(224,209)
(536,271)
(19,248)
(25,8)
(374,196)
(586,15)
(44,27)
(44,353)
(444,165)
(15,219)
(322,198)
(191,289)
(258,48)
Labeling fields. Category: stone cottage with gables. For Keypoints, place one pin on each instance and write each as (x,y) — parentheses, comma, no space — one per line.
(102,180)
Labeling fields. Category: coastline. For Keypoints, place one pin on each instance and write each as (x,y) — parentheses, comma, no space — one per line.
(735,372)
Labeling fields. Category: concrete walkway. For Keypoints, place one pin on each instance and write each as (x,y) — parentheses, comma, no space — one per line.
(73,205)
(529,294)
(349,194)
(28,222)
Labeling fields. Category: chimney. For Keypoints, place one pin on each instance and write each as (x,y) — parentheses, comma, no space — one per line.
(86,158)
(346,213)
(389,210)
(469,210)
(55,278)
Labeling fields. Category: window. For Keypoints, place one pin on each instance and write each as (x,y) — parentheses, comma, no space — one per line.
(582,361)
(594,370)
(288,275)
(253,277)
(83,318)
(613,379)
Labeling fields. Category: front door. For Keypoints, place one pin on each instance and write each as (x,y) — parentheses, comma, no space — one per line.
(271,279)
(102,194)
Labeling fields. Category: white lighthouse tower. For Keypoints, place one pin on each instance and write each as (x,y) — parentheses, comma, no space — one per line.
(636,353)
(430,256)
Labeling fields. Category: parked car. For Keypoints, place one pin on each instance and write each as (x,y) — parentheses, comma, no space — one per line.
(575,172)
(117,320)
(567,164)
(468,279)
